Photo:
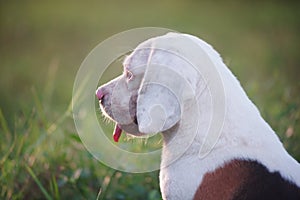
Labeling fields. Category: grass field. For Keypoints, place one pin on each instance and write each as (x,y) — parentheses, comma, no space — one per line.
(42,45)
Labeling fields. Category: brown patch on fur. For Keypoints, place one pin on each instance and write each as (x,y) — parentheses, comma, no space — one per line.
(222,183)
(242,179)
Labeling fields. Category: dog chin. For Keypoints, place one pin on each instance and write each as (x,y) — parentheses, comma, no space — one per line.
(131,129)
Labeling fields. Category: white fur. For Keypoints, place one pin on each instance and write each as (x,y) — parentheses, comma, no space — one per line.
(245,134)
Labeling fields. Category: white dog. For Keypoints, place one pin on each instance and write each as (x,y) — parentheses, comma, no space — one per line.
(163,90)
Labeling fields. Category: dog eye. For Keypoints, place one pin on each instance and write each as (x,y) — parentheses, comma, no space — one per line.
(129,75)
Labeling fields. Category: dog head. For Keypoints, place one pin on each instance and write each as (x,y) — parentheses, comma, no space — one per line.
(149,96)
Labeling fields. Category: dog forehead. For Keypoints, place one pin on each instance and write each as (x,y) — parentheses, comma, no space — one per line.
(136,59)
(162,51)
(139,57)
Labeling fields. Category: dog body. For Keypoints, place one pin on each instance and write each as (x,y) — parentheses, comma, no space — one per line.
(157,93)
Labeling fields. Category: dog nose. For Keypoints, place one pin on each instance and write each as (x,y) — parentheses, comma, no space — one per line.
(100,93)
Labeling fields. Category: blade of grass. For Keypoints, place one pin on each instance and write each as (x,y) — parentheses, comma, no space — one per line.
(3,122)
(54,188)
(32,174)
(105,185)
(39,106)
(99,194)
(6,130)
(11,148)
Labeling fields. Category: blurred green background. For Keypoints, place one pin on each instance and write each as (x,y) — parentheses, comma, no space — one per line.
(42,44)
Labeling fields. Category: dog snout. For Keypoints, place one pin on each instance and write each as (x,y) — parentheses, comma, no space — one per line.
(106,89)
(100,93)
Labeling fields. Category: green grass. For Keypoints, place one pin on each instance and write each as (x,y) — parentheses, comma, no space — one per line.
(42,45)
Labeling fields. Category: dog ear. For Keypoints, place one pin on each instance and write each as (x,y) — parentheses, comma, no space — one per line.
(158,104)
(164,88)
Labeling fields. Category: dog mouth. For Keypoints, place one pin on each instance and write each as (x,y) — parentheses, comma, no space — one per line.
(117,132)
(131,128)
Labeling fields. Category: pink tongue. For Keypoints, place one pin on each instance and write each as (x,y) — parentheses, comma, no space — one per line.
(117,133)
